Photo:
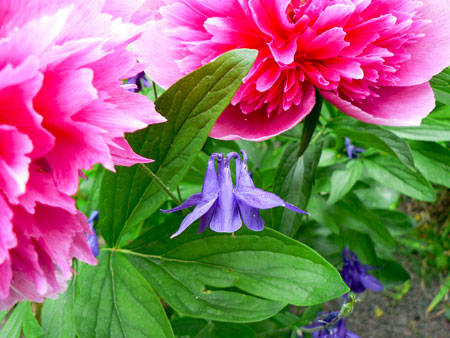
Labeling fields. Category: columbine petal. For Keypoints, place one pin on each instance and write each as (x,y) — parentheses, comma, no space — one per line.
(205,201)
(355,274)
(226,218)
(201,208)
(261,199)
(190,202)
(371,283)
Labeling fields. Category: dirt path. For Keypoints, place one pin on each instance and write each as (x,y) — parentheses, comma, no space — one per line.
(380,316)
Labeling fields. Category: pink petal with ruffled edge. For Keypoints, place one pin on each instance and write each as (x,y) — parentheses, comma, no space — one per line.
(62,109)
(431,54)
(354,49)
(157,53)
(395,106)
(14,146)
(234,125)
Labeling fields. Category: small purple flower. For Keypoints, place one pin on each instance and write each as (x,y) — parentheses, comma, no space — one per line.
(352,151)
(92,239)
(140,81)
(355,274)
(223,207)
(336,330)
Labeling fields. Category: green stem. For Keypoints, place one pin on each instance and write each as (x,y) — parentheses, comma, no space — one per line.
(309,124)
(155,92)
(158,181)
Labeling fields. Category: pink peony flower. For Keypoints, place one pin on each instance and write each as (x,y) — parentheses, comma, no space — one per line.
(62,109)
(371,58)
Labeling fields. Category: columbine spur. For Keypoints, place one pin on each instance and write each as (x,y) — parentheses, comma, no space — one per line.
(223,207)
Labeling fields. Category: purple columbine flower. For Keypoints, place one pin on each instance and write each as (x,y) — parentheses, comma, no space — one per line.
(140,81)
(336,330)
(92,239)
(223,207)
(352,151)
(355,274)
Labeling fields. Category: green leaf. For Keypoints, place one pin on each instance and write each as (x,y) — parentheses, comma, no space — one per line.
(391,173)
(13,326)
(3,314)
(350,212)
(441,86)
(397,222)
(57,315)
(391,274)
(293,182)
(204,276)
(430,130)
(31,327)
(115,300)
(433,161)
(191,106)
(342,181)
(362,245)
(200,328)
(370,135)
(445,289)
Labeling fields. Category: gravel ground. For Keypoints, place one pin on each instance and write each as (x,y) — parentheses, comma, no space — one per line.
(380,316)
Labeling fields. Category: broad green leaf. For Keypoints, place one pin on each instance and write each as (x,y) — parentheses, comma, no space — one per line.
(441,86)
(391,273)
(57,315)
(13,326)
(319,212)
(200,328)
(342,181)
(433,161)
(191,106)
(350,212)
(3,314)
(293,182)
(200,276)
(31,327)
(115,300)
(430,130)
(397,222)
(441,114)
(391,173)
(370,135)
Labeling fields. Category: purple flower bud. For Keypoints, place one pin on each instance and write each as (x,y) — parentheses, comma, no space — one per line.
(92,239)
(352,151)
(355,274)
(223,207)
(140,80)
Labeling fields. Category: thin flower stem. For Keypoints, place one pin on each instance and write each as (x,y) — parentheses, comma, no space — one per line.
(326,326)
(179,192)
(158,181)
(155,92)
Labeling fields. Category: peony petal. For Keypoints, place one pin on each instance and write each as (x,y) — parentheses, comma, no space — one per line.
(395,106)
(256,126)
(157,52)
(431,53)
